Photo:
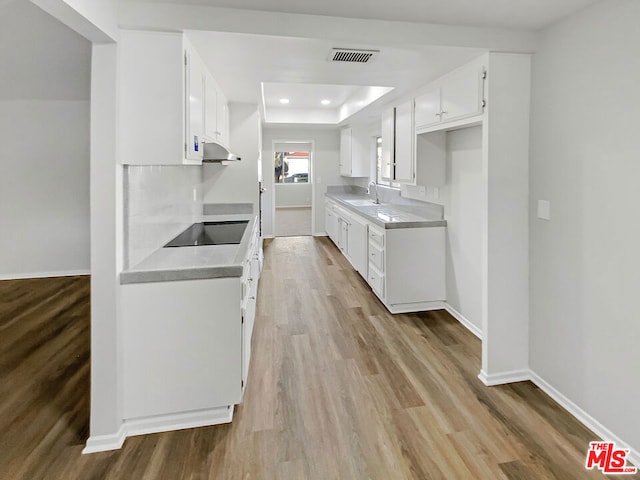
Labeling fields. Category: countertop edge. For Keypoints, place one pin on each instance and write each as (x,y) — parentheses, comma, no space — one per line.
(172,275)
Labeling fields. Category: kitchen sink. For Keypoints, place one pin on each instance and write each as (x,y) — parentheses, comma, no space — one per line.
(361,202)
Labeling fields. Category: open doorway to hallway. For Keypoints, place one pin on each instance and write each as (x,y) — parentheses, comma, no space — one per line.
(293,189)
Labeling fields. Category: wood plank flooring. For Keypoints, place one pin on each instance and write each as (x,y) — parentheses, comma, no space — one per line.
(338,389)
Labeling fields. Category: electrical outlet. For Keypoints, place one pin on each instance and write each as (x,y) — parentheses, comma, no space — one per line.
(422,191)
(544,210)
(436,193)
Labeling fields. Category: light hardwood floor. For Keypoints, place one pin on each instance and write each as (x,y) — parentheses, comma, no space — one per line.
(338,389)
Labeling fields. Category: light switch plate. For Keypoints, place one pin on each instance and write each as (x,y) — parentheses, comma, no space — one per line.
(544,210)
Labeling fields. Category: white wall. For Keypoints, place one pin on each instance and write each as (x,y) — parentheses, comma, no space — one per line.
(585,261)
(326,167)
(293,194)
(462,197)
(160,202)
(238,181)
(44,145)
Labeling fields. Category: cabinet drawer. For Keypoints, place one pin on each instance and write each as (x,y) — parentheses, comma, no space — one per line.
(375,279)
(376,236)
(376,256)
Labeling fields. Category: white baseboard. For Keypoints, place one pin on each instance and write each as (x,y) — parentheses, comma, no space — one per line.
(159,423)
(321,234)
(412,307)
(466,323)
(587,420)
(179,421)
(104,443)
(505,377)
(293,206)
(56,273)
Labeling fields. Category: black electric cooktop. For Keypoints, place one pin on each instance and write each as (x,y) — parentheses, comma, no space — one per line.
(211,233)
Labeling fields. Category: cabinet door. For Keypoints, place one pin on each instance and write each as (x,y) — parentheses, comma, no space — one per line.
(357,246)
(427,109)
(404,141)
(388,143)
(462,95)
(331,224)
(222,130)
(182,346)
(194,105)
(210,108)
(343,227)
(345,152)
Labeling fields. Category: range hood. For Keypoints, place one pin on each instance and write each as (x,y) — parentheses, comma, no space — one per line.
(214,152)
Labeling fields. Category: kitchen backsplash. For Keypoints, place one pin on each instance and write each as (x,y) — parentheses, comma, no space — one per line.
(160,201)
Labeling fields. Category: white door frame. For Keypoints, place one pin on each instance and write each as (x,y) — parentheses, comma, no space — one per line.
(311,181)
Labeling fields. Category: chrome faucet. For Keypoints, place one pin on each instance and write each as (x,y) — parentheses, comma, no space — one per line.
(369,191)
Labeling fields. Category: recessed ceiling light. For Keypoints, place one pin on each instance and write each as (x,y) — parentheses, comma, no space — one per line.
(284,101)
(325,102)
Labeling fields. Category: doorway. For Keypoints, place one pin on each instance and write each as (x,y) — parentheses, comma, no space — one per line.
(293,189)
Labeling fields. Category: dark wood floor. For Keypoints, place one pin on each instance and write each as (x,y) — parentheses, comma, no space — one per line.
(338,389)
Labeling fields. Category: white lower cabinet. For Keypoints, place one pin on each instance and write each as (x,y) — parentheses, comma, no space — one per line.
(405,267)
(187,344)
(357,243)
(414,268)
(249,302)
(182,346)
(349,232)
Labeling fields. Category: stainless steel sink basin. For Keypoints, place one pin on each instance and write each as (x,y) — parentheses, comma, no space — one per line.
(361,202)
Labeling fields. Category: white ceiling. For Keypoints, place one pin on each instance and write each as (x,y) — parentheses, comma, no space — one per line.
(510,14)
(242,62)
(304,102)
(307,95)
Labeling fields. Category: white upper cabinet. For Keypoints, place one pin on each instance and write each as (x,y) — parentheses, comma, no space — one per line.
(354,152)
(216,114)
(405,139)
(222,118)
(398,144)
(166,107)
(211,108)
(388,133)
(345,152)
(462,94)
(455,97)
(428,108)
(194,105)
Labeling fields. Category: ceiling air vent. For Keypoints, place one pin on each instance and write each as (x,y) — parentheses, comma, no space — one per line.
(352,55)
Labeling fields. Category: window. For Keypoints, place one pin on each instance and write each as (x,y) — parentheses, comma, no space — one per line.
(379,179)
(291,167)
